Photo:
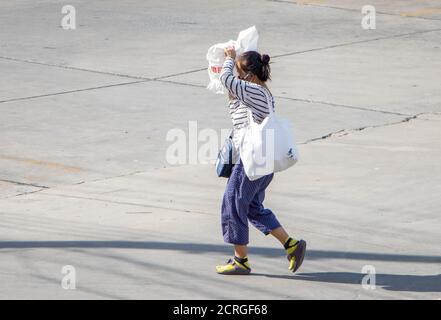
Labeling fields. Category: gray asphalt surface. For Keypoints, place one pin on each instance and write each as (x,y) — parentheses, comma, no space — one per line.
(84,179)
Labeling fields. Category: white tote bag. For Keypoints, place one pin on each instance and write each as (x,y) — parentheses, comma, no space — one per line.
(269,146)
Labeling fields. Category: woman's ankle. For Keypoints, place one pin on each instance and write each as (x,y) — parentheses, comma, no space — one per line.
(241,251)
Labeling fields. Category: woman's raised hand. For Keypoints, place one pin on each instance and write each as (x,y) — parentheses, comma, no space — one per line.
(230,52)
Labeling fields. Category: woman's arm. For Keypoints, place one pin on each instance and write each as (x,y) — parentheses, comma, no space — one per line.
(252,95)
(235,86)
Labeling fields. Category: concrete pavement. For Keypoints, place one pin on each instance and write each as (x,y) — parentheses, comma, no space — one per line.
(84,179)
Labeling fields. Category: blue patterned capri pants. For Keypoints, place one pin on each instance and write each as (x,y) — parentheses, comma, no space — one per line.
(242,202)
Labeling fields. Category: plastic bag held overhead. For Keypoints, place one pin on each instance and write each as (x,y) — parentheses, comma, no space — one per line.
(246,41)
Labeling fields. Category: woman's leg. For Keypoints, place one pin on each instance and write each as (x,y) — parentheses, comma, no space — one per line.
(280,234)
(238,195)
(234,217)
(235,225)
(240,251)
(265,221)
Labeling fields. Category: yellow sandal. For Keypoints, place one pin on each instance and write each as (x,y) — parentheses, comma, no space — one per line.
(235,266)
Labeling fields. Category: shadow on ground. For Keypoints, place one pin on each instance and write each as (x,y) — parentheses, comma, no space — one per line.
(392,282)
(414,283)
(209,248)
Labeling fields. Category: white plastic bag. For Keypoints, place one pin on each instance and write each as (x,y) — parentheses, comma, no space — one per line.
(268,147)
(216,58)
(246,41)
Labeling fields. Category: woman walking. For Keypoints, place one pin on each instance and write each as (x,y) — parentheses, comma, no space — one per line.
(243,198)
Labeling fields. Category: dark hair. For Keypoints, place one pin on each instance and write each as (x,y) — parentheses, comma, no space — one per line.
(254,62)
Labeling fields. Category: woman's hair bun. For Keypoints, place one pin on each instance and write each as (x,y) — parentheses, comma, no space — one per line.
(256,63)
(265,59)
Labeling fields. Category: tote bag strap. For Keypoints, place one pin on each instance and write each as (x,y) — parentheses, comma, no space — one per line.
(269,102)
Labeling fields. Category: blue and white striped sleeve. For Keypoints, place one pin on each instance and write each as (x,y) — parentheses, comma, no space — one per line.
(230,82)
(252,95)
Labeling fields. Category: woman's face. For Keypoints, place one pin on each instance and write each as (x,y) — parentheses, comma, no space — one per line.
(241,74)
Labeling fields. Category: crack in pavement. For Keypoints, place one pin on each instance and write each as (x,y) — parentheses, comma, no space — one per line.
(23,194)
(338,133)
(73,184)
(316,5)
(344,132)
(160,78)
(179,74)
(25,184)
(73,68)
(356,42)
(183,83)
(343,106)
(126,203)
(113,177)
(303,100)
(101,72)
(200,86)
(73,91)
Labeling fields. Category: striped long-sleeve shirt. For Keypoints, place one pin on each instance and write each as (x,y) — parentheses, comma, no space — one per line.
(246,95)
